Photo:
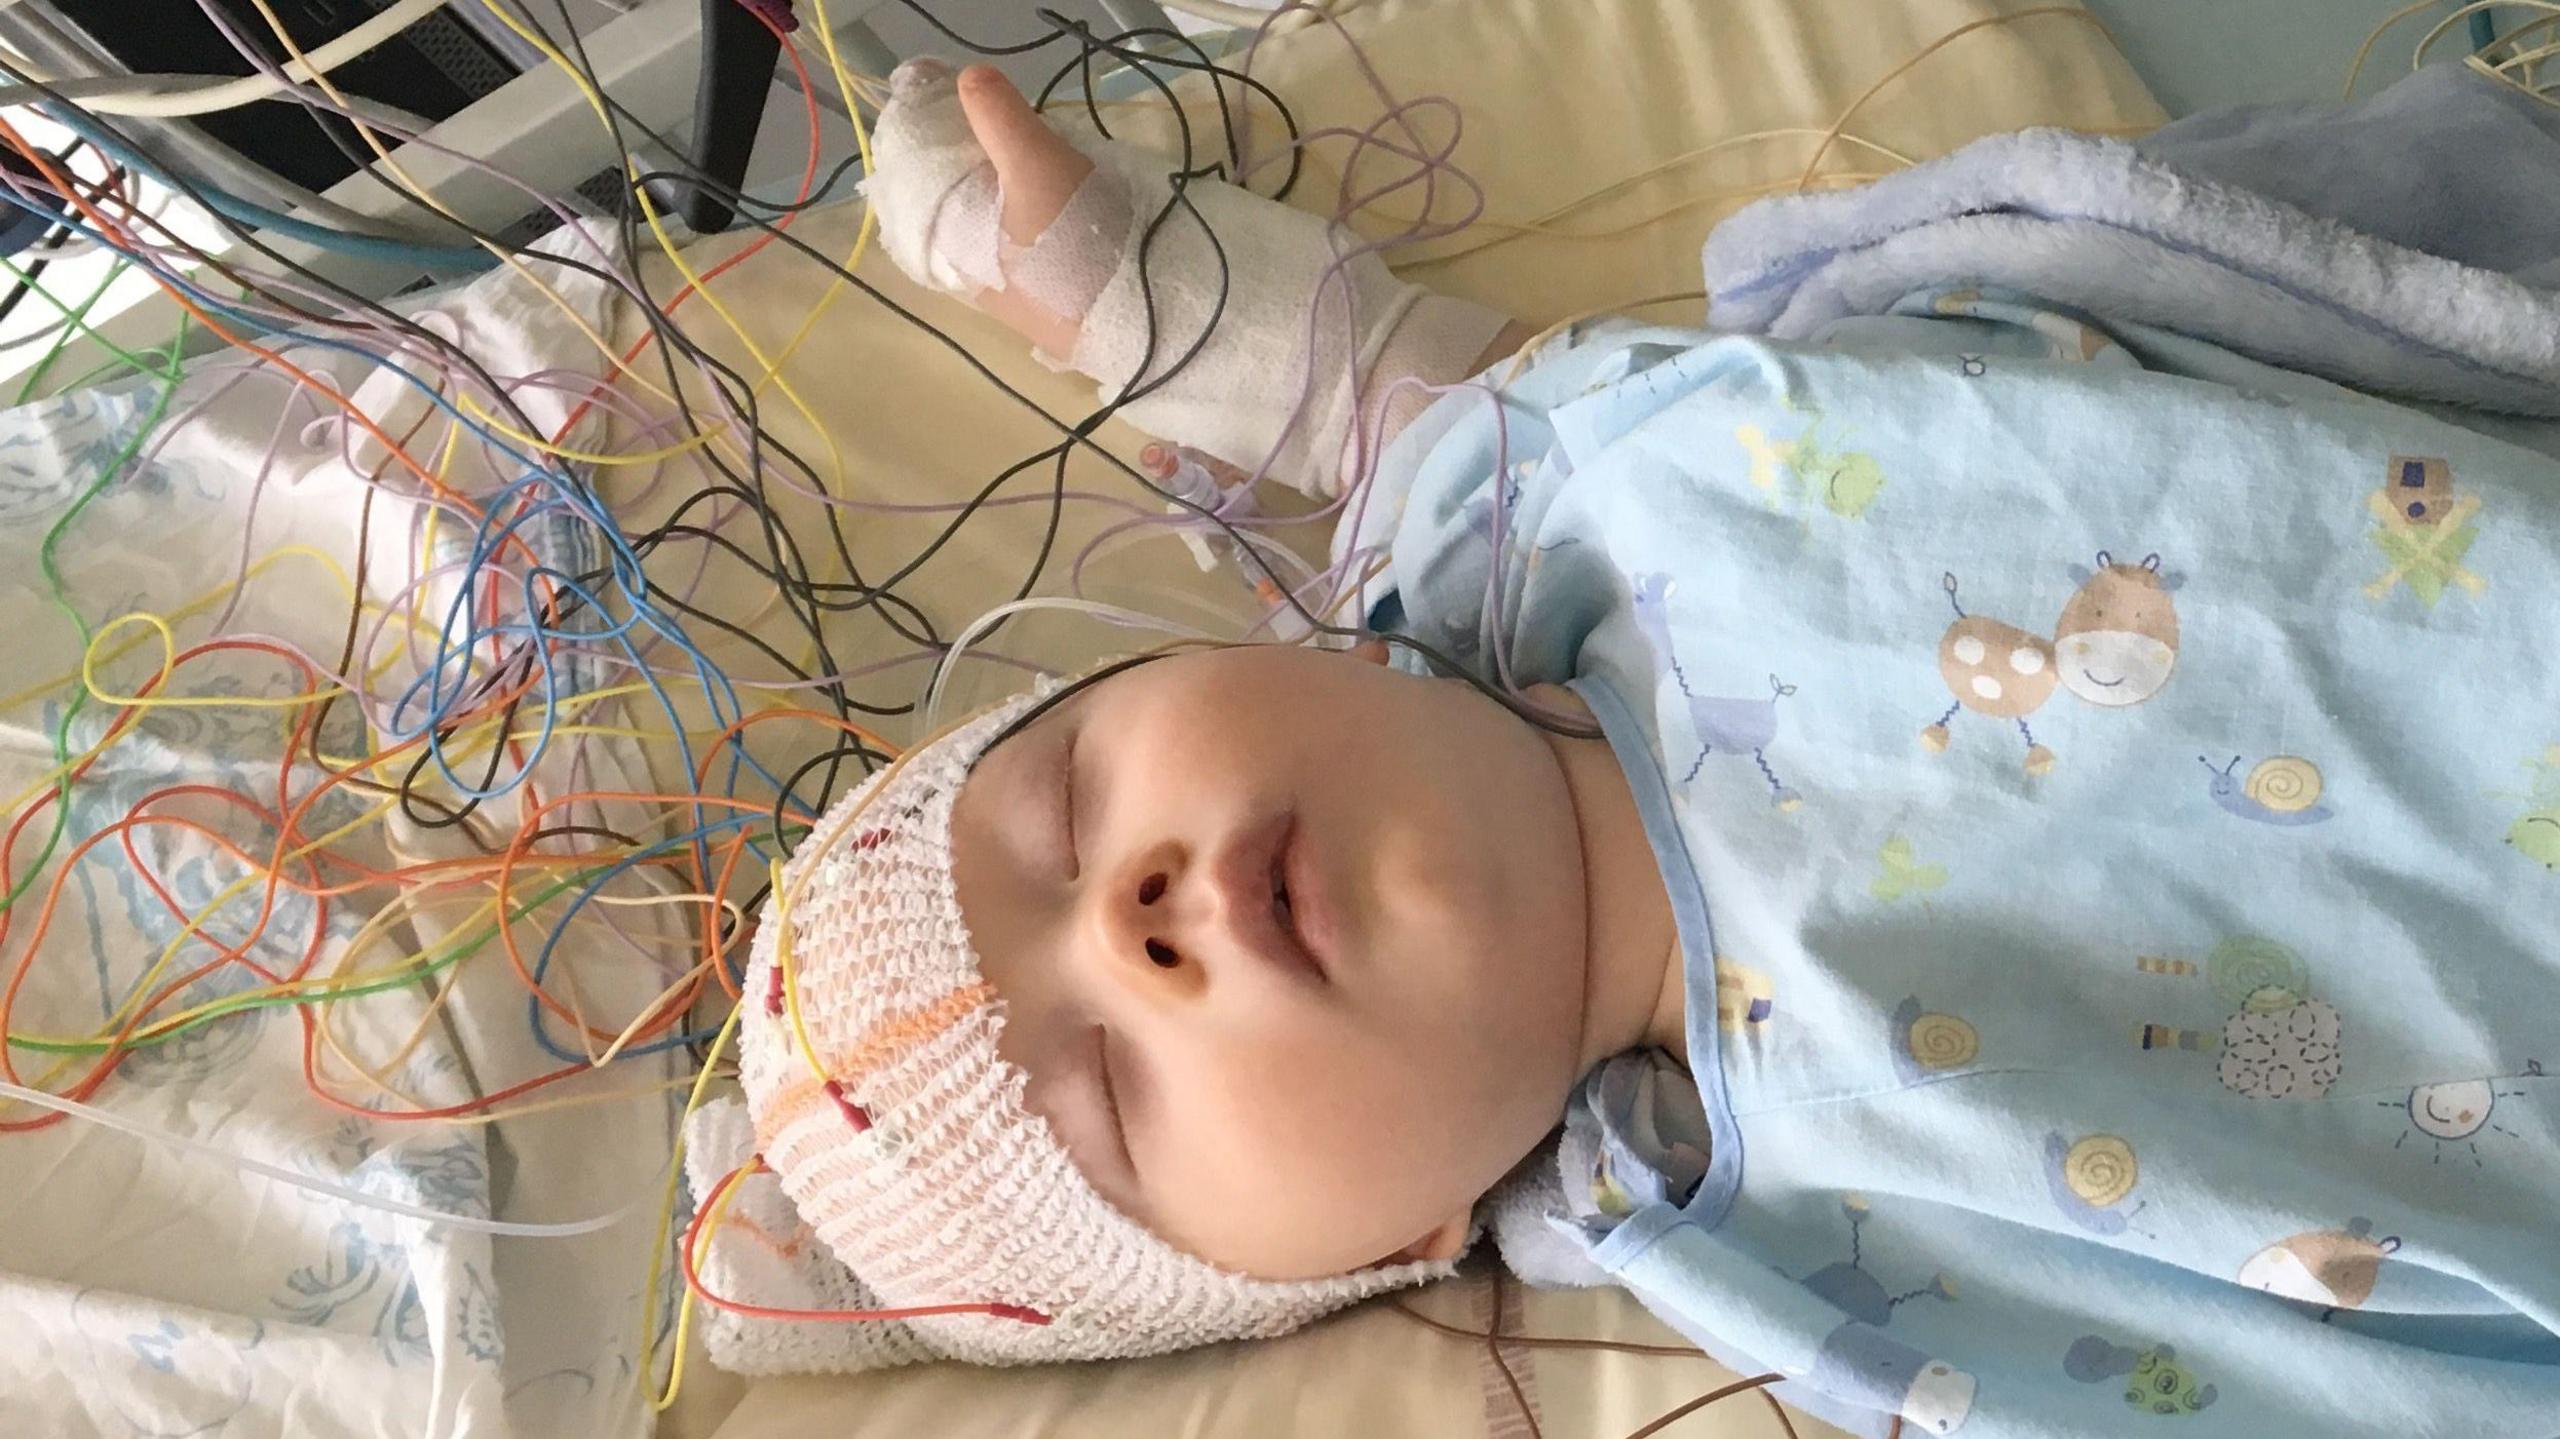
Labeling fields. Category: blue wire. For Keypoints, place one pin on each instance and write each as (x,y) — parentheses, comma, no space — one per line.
(595,886)
(436,259)
(633,584)
(630,579)
(2484,31)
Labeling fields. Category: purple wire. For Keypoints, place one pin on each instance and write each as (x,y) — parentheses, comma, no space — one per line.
(1429,161)
(311,96)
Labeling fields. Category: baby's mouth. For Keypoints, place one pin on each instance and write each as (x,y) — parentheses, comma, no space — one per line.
(1282,909)
(1285,856)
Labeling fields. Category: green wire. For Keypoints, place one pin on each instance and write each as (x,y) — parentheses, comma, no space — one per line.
(75,323)
(102,371)
(170,371)
(423,968)
(408,976)
(61,596)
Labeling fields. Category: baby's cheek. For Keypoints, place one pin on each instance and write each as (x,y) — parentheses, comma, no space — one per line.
(1326,1103)
(1293,1170)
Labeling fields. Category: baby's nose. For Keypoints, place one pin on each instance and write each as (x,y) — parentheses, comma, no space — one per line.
(1150,897)
(1143,929)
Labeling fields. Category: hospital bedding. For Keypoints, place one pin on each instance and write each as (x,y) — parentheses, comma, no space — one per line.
(1682,77)
(148,1293)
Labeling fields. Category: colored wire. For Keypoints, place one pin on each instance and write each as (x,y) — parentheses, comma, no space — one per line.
(467,698)
(346,1194)
(225,94)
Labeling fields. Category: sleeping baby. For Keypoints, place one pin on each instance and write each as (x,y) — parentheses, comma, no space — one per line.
(1997,877)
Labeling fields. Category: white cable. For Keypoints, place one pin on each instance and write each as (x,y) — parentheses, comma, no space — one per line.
(231,94)
(1112,614)
(181,87)
(106,1119)
(1220,12)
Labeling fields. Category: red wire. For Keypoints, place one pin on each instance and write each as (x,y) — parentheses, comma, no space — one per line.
(808,182)
(693,1281)
(283,870)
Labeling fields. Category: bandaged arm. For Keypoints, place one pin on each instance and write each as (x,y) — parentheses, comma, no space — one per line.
(1299,338)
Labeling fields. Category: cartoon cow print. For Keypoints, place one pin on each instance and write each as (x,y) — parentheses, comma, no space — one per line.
(1860,1362)
(2330,1269)
(2278,1042)
(1734,726)
(2114,646)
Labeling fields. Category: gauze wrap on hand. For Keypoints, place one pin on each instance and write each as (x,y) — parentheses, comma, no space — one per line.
(1292,308)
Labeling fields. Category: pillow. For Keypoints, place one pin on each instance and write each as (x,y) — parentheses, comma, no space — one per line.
(1372,1373)
(1559,101)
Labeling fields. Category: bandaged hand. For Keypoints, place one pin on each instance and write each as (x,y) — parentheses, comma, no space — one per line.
(1298,350)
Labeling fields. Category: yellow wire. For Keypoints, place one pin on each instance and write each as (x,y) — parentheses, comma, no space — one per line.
(346,977)
(778,914)
(666,1221)
(657,229)
(425,196)
(1837,179)
(191,608)
(168,663)
(1841,125)
(711,1222)
(2364,52)
(323,985)
(254,874)
(603,346)
(557,731)
(463,400)
(197,920)
(1544,224)
(870,218)
(1520,358)
(2527,61)
(650,1010)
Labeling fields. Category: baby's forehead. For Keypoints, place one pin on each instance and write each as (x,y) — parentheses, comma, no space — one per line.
(1049,711)
(1070,696)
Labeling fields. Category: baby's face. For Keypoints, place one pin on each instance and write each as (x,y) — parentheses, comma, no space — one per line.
(1290,945)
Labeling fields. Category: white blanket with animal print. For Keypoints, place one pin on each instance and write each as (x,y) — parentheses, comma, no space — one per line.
(152,1293)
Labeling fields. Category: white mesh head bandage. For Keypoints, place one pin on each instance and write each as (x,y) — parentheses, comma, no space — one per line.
(915,1161)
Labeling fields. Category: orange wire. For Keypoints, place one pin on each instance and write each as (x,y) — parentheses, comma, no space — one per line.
(283,870)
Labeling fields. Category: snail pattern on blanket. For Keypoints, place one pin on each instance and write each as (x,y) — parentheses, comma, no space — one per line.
(2113,821)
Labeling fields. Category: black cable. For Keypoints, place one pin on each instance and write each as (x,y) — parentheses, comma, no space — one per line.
(1078,435)
(809,601)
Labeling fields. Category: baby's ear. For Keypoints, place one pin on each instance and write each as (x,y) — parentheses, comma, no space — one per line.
(1447,1241)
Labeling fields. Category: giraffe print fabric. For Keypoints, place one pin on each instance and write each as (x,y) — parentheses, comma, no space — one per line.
(2111,797)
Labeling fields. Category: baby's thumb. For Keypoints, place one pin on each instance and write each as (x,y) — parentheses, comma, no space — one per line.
(1037,172)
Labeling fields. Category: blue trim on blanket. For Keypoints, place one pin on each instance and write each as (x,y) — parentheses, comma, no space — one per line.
(1716,1192)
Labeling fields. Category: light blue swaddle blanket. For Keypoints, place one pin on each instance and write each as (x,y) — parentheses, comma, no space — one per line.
(2112,820)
